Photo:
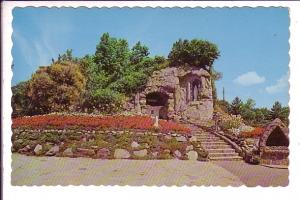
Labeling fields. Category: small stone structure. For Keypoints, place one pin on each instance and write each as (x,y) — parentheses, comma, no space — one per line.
(273,144)
(176,93)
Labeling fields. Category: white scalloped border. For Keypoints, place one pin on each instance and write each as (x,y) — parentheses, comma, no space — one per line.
(82,192)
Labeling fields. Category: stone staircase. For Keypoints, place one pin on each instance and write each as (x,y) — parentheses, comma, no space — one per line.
(216,147)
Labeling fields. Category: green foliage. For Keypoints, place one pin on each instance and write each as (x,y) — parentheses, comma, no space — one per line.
(248,112)
(55,88)
(252,115)
(236,106)
(115,72)
(107,100)
(231,122)
(194,53)
(100,82)
(20,100)
(138,53)
(112,56)
(277,111)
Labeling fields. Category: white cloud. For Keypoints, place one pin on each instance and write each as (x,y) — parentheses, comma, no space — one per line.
(280,85)
(249,78)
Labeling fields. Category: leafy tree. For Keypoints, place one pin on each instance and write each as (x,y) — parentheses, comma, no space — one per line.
(20,100)
(55,88)
(138,53)
(261,116)
(41,91)
(103,100)
(277,111)
(194,53)
(235,106)
(247,111)
(112,56)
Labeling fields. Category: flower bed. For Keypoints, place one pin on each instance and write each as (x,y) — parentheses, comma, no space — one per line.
(96,123)
(254,133)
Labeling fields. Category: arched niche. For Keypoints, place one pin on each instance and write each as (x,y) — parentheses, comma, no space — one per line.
(156,99)
(157,103)
(195,89)
(277,138)
(192,85)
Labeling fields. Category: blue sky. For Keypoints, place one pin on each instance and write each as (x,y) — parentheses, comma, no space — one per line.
(253,42)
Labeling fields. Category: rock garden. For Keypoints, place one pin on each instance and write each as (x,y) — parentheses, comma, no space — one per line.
(104,137)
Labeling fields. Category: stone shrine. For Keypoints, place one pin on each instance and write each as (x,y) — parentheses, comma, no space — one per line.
(177,93)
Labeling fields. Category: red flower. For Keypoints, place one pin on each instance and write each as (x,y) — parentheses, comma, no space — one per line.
(96,122)
(253,134)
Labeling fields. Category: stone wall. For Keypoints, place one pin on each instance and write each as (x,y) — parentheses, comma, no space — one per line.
(106,144)
(185,100)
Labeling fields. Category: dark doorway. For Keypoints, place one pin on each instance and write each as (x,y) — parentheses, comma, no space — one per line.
(277,138)
(158,104)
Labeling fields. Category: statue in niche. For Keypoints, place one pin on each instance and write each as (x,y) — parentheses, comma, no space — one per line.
(195,90)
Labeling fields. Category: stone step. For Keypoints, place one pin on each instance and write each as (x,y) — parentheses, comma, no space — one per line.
(213,155)
(229,150)
(213,142)
(208,139)
(217,146)
(232,158)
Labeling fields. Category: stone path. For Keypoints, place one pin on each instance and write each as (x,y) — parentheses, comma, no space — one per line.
(253,175)
(216,147)
(29,170)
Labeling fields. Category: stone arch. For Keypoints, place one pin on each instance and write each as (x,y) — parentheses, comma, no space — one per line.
(277,138)
(157,99)
(275,134)
(157,104)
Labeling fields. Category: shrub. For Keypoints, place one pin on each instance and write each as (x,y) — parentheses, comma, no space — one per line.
(232,121)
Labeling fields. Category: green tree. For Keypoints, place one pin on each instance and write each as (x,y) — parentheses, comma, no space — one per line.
(247,111)
(20,100)
(138,53)
(194,53)
(112,56)
(277,111)
(236,106)
(56,88)
(261,116)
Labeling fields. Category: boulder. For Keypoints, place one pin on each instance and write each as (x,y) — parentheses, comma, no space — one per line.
(68,152)
(193,139)
(181,139)
(140,153)
(168,137)
(192,155)
(24,149)
(103,153)
(154,154)
(167,151)
(85,152)
(121,154)
(38,150)
(134,144)
(177,154)
(189,148)
(53,151)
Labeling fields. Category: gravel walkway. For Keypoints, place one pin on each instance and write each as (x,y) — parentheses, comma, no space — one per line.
(29,170)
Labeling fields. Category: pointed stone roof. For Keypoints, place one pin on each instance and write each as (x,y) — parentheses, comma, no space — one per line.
(270,127)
